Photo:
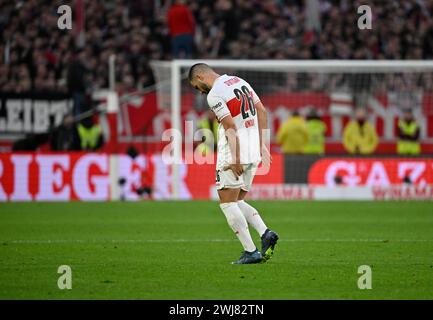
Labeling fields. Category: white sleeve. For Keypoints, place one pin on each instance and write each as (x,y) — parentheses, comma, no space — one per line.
(218,106)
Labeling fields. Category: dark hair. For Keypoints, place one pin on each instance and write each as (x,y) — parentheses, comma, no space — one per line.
(197,68)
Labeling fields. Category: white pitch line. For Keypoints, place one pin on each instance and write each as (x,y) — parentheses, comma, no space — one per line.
(77,241)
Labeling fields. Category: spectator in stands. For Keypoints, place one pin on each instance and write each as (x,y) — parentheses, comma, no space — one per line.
(65,137)
(316,130)
(181,25)
(91,137)
(292,135)
(137,33)
(408,132)
(359,136)
(77,82)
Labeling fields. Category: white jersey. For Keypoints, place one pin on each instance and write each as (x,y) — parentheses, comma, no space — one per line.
(233,96)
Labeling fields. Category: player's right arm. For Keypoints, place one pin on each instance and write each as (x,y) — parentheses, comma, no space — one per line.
(233,141)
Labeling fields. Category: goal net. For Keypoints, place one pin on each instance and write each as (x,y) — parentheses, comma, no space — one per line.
(332,88)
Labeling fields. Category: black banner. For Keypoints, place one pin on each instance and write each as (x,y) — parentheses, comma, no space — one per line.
(211,309)
(32,112)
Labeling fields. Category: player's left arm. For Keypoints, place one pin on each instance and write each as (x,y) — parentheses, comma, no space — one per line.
(262,119)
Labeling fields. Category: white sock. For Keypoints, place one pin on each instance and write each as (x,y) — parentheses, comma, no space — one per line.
(252,216)
(239,225)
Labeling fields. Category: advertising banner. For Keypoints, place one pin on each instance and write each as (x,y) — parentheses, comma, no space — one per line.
(91,177)
(87,177)
(371,172)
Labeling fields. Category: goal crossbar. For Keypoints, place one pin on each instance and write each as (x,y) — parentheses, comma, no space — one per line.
(314,65)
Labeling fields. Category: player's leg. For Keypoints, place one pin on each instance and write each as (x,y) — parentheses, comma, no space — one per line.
(235,218)
(250,213)
(228,192)
(269,238)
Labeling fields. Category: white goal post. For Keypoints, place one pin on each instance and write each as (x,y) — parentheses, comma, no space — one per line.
(337,77)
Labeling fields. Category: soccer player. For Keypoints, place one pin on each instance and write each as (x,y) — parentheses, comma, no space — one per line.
(242,118)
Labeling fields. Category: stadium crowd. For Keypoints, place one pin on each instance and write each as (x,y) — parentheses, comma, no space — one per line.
(36,55)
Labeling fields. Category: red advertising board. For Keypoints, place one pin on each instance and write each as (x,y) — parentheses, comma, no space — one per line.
(86,176)
(62,177)
(371,172)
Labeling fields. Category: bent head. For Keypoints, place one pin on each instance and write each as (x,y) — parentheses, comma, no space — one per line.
(202,77)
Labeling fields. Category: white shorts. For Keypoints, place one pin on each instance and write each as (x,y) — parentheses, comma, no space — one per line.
(226,179)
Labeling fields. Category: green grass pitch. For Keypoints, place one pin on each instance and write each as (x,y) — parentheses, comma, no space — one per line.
(183,250)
